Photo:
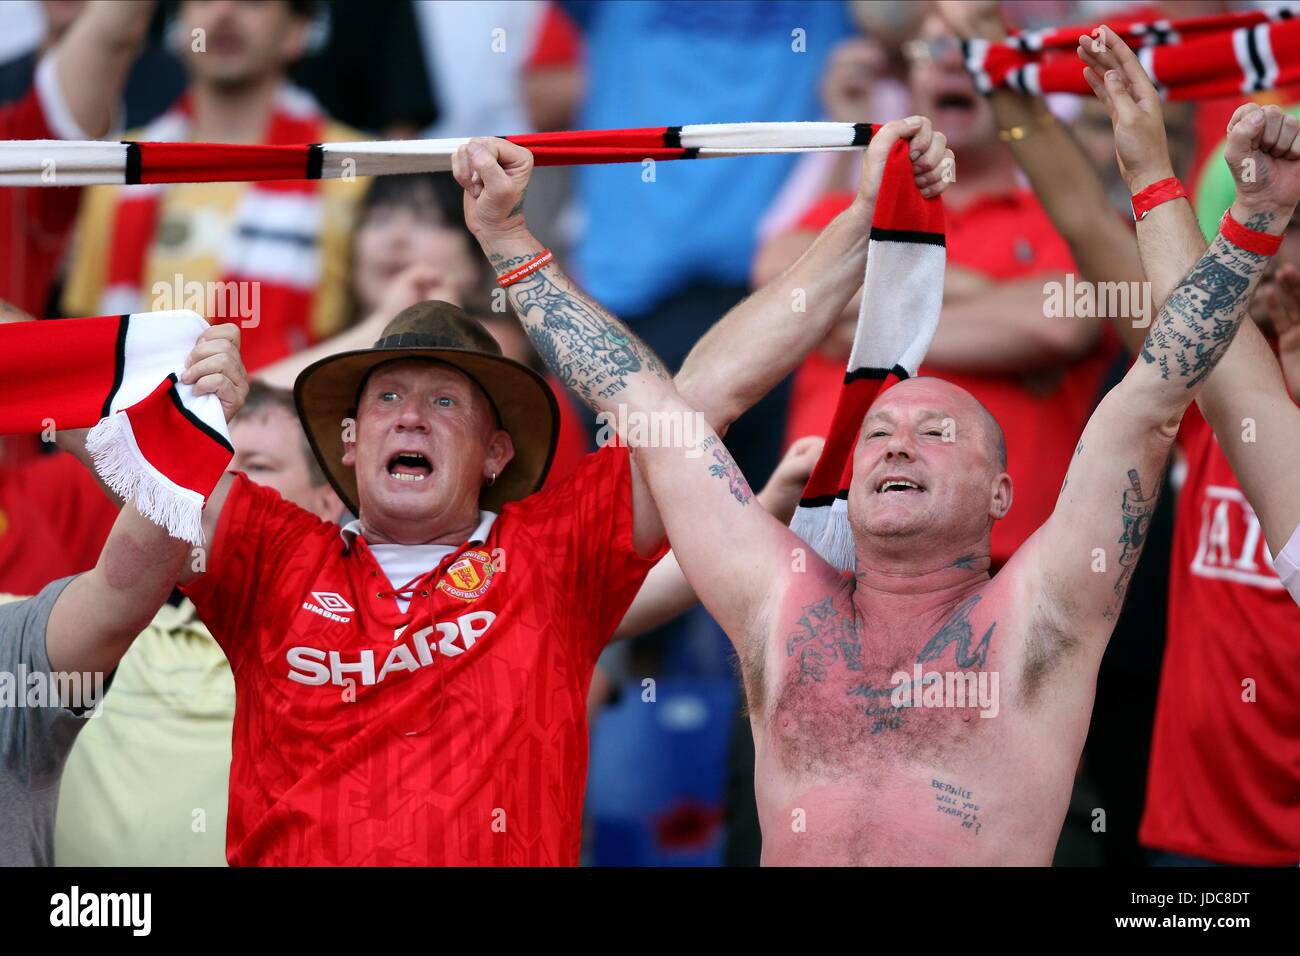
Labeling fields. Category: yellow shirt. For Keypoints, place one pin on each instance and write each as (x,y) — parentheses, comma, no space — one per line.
(147,781)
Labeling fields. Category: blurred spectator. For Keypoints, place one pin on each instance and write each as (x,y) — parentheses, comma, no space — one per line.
(1038,376)
(280,247)
(146,783)
(70,92)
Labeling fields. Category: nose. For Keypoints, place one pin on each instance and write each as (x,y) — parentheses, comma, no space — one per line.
(412,419)
(900,447)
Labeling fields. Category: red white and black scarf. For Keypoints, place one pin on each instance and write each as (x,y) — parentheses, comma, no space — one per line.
(904,276)
(154,443)
(901,297)
(1193,58)
(274,238)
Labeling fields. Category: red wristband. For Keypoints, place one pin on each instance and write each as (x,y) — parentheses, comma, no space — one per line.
(525,270)
(1252,240)
(1144,200)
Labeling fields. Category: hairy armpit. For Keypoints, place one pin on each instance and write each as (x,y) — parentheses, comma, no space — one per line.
(1051,637)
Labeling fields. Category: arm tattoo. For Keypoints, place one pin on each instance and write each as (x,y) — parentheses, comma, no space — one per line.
(1201,315)
(725,467)
(587,348)
(1136,510)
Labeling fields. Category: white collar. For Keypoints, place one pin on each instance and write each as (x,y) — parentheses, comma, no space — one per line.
(352,530)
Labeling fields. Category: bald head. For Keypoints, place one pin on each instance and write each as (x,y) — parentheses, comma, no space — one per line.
(955,402)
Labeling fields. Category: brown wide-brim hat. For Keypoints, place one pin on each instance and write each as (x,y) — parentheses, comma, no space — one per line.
(326,393)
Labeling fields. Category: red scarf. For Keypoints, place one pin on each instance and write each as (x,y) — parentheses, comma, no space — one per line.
(274,242)
(901,296)
(153,442)
(1195,58)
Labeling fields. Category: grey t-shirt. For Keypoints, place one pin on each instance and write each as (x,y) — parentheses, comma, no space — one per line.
(34,740)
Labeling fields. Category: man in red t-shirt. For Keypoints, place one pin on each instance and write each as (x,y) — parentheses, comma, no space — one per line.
(1223,784)
(1038,376)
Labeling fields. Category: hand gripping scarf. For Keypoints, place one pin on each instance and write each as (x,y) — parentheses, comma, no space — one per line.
(153,441)
(1193,58)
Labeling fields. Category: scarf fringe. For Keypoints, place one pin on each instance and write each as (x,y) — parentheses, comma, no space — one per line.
(827,531)
(125,471)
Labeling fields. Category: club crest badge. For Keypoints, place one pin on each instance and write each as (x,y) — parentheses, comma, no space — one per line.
(469,576)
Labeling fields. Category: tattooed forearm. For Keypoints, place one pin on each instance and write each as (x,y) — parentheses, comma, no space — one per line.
(1136,510)
(724,466)
(586,347)
(1200,317)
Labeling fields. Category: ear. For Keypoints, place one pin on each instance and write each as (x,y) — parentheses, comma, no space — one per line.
(295,40)
(500,452)
(326,505)
(349,453)
(1002,494)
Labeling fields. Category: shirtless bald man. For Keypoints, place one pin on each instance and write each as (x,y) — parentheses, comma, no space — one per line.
(844,775)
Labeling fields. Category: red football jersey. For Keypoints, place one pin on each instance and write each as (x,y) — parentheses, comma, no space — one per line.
(1225,771)
(454,733)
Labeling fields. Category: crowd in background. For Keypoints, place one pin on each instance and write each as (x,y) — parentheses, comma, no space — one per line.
(670,779)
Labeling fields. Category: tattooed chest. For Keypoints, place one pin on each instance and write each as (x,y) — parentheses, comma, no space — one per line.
(844,697)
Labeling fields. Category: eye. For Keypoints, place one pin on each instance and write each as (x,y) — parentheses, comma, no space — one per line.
(937,432)
(388,396)
(877,433)
(446,401)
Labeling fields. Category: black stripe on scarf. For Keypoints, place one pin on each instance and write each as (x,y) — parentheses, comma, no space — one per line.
(193,419)
(119,364)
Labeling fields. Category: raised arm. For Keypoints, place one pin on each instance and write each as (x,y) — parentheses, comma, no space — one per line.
(752,349)
(735,553)
(100,612)
(1083,557)
(666,593)
(1247,394)
(94,57)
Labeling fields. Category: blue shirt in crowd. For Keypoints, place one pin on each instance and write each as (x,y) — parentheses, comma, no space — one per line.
(663,63)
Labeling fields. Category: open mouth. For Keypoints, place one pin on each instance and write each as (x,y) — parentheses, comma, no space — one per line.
(409,466)
(902,486)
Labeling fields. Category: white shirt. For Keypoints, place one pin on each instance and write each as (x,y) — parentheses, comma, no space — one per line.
(403,563)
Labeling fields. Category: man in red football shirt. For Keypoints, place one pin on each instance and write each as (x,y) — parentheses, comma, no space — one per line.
(1223,779)
(411,687)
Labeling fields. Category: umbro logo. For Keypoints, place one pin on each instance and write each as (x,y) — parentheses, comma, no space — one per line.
(332,601)
(329,605)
